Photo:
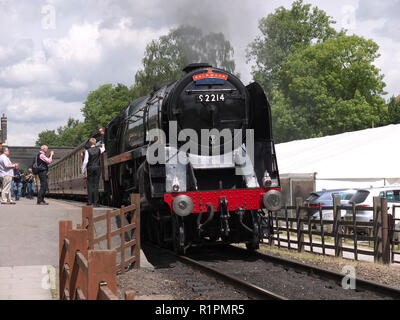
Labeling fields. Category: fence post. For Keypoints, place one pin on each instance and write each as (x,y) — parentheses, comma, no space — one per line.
(385,232)
(87,223)
(78,241)
(129,295)
(300,235)
(135,233)
(101,269)
(376,217)
(337,229)
(64,227)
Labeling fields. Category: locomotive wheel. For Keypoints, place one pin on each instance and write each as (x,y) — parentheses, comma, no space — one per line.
(178,235)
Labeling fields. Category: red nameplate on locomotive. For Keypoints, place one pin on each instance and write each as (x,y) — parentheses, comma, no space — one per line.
(209,75)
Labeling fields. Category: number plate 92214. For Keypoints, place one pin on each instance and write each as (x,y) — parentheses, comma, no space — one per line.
(214,97)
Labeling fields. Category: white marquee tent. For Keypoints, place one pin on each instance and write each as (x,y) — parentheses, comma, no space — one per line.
(357,159)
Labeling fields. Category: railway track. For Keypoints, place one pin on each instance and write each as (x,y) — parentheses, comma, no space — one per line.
(253,291)
(361,284)
(264,277)
(285,278)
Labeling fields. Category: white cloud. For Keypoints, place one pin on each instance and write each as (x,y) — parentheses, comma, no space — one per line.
(45,75)
(80,45)
(27,72)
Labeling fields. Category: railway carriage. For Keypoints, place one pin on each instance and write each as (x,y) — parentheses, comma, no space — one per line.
(207,195)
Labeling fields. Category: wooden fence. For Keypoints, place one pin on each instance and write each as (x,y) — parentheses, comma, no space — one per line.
(292,224)
(85,274)
(133,213)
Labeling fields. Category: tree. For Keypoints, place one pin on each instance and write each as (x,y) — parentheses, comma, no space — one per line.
(284,32)
(47,137)
(104,104)
(73,134)
(70,135)
(165,57)
(393,110)
(329,88)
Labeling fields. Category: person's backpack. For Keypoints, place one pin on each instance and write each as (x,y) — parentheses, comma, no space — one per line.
(35,167)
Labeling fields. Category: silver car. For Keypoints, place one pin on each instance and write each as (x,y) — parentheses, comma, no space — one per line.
(326,200)
(364,198)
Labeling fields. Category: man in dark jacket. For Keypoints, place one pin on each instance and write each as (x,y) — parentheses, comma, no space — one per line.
(43,161)
(92,162)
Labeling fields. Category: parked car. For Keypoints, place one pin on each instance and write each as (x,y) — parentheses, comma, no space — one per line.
(364,198)
(325,199)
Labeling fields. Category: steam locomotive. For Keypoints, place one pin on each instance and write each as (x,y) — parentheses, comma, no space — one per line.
(200,152)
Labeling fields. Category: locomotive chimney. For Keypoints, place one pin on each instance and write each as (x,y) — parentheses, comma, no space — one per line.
(193,66)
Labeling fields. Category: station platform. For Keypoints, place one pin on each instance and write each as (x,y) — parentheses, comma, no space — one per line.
(29,247)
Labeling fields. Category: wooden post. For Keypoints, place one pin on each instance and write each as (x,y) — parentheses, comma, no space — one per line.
(129,295)
(300,234)
(109,230)
(322,230)
(78,241)
(101,269)
(135,250)
(122,215)
(376,217)
(337,228)
(64,228)
(385,232)
(87,222)
(277,230)
(355,240)
(287,227)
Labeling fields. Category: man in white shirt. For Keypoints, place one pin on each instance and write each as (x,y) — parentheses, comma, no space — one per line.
(92,162)
(7,173)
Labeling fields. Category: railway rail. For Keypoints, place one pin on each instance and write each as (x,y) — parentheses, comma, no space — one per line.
(264,276)
(361,284)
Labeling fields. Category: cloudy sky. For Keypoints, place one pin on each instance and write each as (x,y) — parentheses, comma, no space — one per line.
(54,52)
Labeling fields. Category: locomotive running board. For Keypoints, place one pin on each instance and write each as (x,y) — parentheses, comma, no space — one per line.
(128,155)
(123,157)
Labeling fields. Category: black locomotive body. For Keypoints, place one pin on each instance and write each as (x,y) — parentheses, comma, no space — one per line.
(171,147)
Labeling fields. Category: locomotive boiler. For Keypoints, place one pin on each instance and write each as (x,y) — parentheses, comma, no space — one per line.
(200,152)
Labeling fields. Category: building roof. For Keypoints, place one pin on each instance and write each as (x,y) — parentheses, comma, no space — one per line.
(359,155)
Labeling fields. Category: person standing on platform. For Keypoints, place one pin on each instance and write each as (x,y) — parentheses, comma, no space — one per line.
(92,162)
(43,161)
(30,184)
(7,173)
(18,175)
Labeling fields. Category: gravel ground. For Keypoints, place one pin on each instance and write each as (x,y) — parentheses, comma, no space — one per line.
(173,280)
(285,281)
(385,274)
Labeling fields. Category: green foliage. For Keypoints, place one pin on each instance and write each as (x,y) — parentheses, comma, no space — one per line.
(393,110)
(70,135)
(284,32)
(104,104)
(329,88)
(47,137)
(165,57)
